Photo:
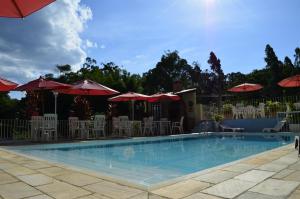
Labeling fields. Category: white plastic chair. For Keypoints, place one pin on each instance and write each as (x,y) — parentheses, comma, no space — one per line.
(249,112)
(73,126)
(178,125)
(148,126)
(297,105)
(260,111)
(116,125)
(99,125)
(124,125)
(164,126)
(237,112)
(36,127)
(49,127)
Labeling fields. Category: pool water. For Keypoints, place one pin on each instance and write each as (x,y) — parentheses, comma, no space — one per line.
(148,161)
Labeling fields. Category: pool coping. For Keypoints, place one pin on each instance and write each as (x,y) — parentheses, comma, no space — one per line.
(117,180)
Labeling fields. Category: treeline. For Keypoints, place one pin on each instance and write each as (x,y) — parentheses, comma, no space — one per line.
(171,68)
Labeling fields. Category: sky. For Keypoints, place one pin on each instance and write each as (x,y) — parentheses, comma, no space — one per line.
(136,33)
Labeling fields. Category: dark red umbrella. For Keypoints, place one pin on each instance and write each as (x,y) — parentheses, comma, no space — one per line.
(6,85)
(42,84)
(158,97)
(130,96)
(246,87)
(21,8)
(290,82)
(88,87)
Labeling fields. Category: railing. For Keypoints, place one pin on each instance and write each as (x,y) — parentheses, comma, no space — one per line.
(14,129)
(253,108)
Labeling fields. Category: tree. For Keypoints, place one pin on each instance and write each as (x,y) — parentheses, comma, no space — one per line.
(219,77)
(169,69)
(288,67)
(63,68)
(297,58)
(275,67)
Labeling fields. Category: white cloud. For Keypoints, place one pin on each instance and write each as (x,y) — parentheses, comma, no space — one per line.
(90,44)
(33,46)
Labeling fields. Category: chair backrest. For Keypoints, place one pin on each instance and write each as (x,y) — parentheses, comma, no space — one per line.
(279,125)
(115,123)
(73,122)
(50,121)
(99,121)
(37,121)
(181,121)
(297,105)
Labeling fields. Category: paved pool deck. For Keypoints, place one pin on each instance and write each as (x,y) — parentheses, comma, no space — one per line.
(273,174)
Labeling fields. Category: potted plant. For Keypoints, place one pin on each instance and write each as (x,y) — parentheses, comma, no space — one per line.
(217,119)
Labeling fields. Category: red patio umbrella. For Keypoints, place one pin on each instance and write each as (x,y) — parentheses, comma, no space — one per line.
(246,87)
(21,8)
(6,85)
(163,97)
(43,84)
(130,96)
(290,82)
(88,87)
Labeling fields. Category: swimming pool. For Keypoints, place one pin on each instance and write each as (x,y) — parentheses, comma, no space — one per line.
(149,161)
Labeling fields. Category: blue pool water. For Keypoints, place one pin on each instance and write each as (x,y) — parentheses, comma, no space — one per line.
(147,161)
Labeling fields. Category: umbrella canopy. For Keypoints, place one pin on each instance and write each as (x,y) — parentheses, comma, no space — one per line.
(41,84)
(246,87)
(88,87)
(21,8)
(130,96)
(6,85)
(290,82)
(163,97)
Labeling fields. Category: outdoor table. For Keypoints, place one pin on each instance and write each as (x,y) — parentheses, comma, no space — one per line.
(84,128)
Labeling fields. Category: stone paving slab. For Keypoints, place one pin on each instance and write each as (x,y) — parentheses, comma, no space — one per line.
(240,168)
(255,176)
(230,188)
(43,196)
(6,178)
(61,190)
(272,167)
(36,165)
(253,195)
(78,179)
(201,196)
(181,189)
(17,190)
(19,170)
(295,176)
(54,171)
(113,190)
(36,179)
(274,187)
(216,176)
(283,173)
(295,195)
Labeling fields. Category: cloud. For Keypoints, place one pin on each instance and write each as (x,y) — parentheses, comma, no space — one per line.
(34,45)
(90,44)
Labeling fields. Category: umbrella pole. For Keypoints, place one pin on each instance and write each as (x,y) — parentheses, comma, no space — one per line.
(132,109)
(55,101)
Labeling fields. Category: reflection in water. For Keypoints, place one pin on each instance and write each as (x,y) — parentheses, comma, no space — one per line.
(150,162)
